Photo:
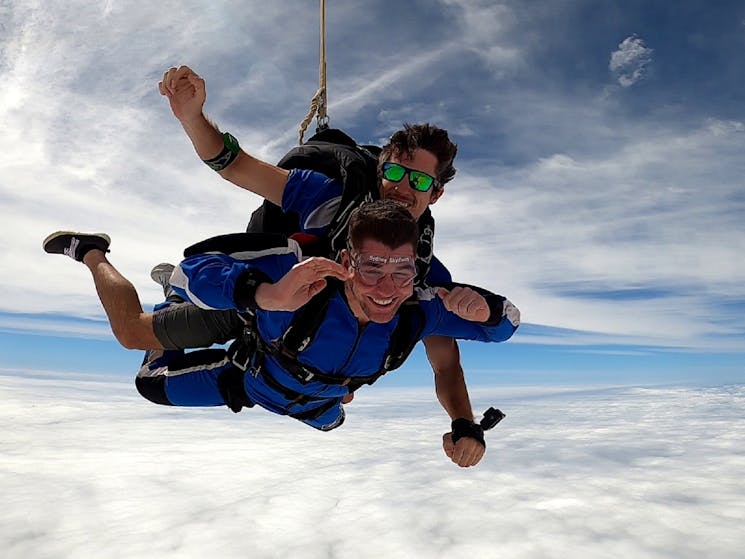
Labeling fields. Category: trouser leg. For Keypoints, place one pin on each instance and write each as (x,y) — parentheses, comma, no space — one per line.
(172,377)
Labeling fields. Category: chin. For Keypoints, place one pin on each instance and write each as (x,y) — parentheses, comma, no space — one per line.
(379,318)
(382,316)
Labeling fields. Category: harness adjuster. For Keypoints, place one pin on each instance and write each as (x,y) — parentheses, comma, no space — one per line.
(243,365)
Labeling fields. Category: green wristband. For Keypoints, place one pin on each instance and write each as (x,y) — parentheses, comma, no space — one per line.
(227,155)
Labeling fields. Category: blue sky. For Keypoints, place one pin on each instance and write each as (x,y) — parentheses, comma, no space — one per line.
(599,180)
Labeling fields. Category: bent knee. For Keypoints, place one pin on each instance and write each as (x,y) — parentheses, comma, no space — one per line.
(137,334)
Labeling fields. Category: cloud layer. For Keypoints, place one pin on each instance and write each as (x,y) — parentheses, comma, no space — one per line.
(92,470)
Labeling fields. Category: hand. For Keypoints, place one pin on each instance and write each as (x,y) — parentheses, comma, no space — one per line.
(466,303)
(466,452)
(305,280)
(186,92)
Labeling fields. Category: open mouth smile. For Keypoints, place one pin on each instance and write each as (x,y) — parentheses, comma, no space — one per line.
(405,203)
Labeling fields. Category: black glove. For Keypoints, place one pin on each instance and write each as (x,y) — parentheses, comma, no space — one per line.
(463,427)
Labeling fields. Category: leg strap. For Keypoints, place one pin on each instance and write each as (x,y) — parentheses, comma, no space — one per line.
(230,384)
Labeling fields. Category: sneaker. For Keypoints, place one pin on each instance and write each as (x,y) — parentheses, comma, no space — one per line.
(75,245)
(161,274)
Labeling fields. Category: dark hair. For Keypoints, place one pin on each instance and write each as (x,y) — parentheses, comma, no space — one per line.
(423,136)
(385,221)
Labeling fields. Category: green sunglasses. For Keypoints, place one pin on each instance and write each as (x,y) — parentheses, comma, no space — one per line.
(418,180)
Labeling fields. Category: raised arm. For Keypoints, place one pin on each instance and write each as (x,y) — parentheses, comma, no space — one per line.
(274,282)
(186,93)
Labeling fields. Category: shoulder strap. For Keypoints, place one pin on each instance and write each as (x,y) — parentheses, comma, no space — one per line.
(405,336)
(307,321)
(425,247)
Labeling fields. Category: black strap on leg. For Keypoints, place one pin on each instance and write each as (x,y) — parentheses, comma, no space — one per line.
(233,391)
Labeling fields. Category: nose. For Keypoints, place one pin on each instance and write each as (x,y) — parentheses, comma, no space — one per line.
(386,286)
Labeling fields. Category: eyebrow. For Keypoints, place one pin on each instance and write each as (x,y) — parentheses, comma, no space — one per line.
(398,263)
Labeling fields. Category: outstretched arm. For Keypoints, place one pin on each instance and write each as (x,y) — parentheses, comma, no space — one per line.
(187,93)
(470,313)
(450,387)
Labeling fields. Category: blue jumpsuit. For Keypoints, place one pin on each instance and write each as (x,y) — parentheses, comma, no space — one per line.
(341,347)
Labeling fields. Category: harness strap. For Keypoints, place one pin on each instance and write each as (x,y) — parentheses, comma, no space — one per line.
(307,321)
(295,398)
(315,413)
(306,373)
(247,355)
(249,350)
(233,391)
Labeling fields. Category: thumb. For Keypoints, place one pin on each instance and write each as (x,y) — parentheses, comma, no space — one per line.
(447,444)
(442,292)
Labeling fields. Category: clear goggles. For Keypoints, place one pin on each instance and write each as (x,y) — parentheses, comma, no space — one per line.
(372,269)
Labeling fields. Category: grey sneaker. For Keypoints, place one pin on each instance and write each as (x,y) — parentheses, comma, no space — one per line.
(161,274)
(74,244)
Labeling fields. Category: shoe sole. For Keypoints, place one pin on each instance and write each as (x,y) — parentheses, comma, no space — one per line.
(159,270)
(58,234)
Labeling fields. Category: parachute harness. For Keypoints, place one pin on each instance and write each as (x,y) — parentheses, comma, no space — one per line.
(318,104)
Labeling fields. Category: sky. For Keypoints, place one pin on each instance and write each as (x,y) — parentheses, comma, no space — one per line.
(599,182)
(647,473)
(599,187)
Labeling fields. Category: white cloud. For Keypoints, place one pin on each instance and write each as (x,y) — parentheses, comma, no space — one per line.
(630,62)
(560,236)
(725,127)
(635,472)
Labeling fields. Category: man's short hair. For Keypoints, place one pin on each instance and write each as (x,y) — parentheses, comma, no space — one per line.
(384,221)
(422,136)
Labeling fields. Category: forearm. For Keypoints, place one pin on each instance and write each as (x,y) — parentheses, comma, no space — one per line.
(450,383)
(247,172)
(452,394)
(205,137)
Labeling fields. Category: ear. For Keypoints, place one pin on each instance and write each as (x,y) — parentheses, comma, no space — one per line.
(436,195)
(344,258)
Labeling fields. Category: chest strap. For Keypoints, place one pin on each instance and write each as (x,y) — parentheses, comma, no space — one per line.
(249,351)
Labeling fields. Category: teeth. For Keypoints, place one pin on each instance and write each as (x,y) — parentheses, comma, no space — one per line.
(404,203)
(382,302)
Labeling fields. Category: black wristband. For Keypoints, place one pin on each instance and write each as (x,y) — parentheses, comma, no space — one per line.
(496,309)
(246,284)
(227,155)
(463,427)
